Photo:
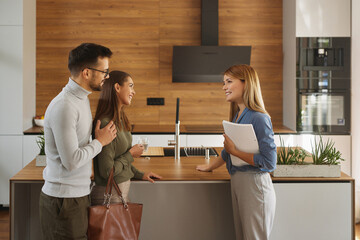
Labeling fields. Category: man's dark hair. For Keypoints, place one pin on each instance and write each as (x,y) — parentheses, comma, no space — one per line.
(86,55)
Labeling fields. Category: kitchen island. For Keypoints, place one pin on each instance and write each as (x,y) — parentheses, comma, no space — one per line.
(188,204)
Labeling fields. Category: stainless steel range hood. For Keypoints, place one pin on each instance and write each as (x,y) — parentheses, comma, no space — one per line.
(207,62)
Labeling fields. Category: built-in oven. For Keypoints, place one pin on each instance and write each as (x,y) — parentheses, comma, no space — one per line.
(323,85)
(323,110)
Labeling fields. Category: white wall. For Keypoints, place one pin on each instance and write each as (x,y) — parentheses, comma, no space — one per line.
(355,99)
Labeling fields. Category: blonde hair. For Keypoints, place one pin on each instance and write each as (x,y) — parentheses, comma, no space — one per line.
(252,96)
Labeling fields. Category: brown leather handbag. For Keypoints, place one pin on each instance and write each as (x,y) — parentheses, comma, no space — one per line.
(114,221)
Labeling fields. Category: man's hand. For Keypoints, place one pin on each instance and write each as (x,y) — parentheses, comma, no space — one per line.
(105,135)
(136,150)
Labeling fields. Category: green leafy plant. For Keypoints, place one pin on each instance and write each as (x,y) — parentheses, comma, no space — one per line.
(325,153)
(289,155)
(40,141)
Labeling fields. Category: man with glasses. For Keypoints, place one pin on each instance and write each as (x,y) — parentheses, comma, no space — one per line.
(64,198)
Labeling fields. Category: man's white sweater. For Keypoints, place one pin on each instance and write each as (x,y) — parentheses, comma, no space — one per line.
(69,151)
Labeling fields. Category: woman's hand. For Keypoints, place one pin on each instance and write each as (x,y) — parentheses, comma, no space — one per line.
(136,150)
(203,168)
(229,145)
(231,149)
(217,162)
(150,176)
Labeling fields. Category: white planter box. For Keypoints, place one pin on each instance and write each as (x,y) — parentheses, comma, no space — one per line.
(307,171)
(40,160)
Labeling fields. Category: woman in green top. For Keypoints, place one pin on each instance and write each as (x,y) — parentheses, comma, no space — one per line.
(117,92)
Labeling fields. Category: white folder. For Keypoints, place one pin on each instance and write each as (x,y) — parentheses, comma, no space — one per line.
(244,138)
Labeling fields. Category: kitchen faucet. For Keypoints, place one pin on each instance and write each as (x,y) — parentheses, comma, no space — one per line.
(176,141)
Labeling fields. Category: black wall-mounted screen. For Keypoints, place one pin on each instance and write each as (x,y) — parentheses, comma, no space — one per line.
(206,63)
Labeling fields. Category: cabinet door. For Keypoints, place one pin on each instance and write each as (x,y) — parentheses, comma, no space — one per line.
(313,211)
(30,149)
(11,90)
(323,18)
(11,12)
(10,163)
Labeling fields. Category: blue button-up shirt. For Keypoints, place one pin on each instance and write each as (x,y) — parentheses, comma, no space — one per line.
(266,159)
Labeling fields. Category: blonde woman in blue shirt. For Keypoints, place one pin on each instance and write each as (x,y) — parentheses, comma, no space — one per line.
(253,195)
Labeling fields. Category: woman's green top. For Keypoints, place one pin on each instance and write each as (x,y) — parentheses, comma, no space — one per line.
(116,154)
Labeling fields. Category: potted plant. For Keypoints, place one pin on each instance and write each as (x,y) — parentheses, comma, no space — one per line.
(291,155)
(41,157)
(324,160)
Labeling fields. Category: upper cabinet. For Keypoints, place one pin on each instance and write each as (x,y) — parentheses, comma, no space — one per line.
(323,18)
(17,65)
(11,66)
(11,80)
(11,12)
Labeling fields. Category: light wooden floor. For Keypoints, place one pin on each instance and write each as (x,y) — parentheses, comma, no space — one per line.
(4,225)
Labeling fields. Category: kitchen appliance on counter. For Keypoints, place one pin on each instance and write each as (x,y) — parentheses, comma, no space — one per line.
(323,85)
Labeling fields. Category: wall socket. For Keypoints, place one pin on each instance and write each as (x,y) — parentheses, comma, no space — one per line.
(155,101)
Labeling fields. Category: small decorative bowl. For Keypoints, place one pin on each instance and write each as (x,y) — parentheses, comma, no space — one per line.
(39,122)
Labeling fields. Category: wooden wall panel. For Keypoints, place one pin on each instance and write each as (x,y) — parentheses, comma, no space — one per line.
(129,28)
(141,33)
(257,23)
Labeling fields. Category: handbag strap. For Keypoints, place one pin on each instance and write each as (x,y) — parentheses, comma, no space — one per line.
(107,195)
(109,182)
(119,193)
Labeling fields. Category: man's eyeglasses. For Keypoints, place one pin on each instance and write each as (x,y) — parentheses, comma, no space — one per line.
(105,72)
